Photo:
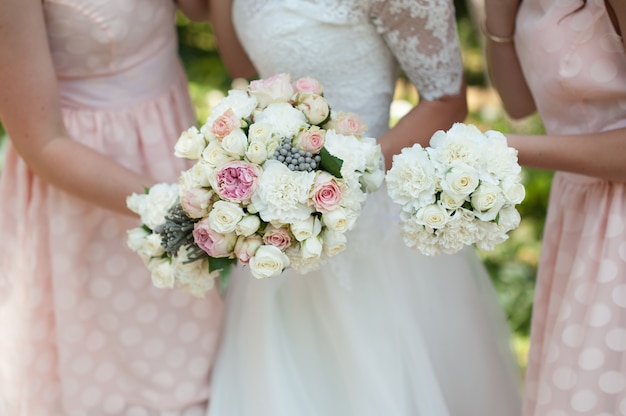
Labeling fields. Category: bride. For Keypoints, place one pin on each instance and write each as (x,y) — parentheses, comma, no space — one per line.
(380,329)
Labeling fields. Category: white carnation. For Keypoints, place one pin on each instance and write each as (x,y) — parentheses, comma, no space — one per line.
(238,101)
(282,194)
(411,179)
(153,206)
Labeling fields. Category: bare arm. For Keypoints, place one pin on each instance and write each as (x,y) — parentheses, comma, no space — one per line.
(232,53)
(504,67)
(31,114)
(421,122)
(196,10)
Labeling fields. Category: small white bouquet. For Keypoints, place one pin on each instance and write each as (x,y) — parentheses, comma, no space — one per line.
(278,179)
(461,190)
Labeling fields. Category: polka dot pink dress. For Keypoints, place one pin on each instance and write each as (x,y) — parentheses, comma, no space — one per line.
(84,332)
(576,67)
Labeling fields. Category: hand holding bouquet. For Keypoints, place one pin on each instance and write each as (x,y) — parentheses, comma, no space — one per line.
(461,190)
(277,181)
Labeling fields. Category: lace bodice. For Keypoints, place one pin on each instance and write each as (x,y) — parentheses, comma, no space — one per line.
(355,47)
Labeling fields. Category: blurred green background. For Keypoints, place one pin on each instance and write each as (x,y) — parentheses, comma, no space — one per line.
(512,265)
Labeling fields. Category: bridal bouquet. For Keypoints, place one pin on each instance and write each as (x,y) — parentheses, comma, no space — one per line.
(461,190)
(278,179)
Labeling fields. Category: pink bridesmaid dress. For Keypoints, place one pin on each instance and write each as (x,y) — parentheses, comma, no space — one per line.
(84,332)
(575,65)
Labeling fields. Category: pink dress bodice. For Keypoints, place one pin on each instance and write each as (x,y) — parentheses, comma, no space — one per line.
(574,63)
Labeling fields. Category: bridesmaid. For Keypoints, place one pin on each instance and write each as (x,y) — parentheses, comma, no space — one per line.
(93,100)
(567,60)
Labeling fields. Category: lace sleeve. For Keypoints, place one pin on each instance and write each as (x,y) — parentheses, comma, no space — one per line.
(422,35)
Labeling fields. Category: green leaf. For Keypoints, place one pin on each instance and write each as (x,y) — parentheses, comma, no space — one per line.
(222,263)
(331,164)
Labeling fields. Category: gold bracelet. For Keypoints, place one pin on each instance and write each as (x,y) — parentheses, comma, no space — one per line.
(494,38)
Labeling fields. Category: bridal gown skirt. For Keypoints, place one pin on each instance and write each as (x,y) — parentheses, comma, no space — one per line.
(379,330)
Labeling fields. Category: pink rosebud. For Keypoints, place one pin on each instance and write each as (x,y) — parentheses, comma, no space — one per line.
(213,243)
(277,237)
(347,124)
(311,140)
(246,247)
(274,89)
(307,84)
(236,181)
(327,193)
(314,107)
(225,124)
(196,201)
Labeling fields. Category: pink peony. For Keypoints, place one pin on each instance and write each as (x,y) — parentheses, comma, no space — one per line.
(213,243)
(236,181)
(277,237)
(327,193)
(225,124)
(307,84)
(311,140)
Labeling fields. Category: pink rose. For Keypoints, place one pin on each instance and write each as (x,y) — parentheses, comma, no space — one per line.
(277,237)
(225,124)
(307,84)
(314,107)
(213,243)
(311,140)
(274,89)
(196,201)
(236,181)
(347,124)
(246,247)
(327,193)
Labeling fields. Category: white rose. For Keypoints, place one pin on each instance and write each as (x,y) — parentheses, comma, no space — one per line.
(487,201)
(190,144)
(248,225)
(225,216)
(282,195)
(257,152)
(513,191)
(336,220)
(508,219)
(215,155)
(235,143)
(334,241)
(268,261)
(285,120)
(450,202)
(433,215)
(311,249)
(460,181)
(260,132)
(307,228)
(162,273)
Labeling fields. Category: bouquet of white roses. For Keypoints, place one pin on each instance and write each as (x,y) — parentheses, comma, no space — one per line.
(278,179)
(461,190)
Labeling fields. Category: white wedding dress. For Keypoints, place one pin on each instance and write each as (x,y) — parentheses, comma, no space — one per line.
(380,330)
